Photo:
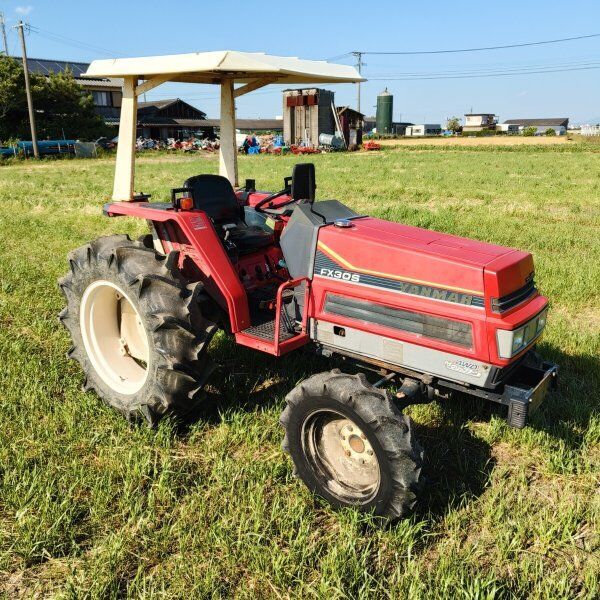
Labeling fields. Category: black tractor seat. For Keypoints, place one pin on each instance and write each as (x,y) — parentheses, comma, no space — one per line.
(215,196)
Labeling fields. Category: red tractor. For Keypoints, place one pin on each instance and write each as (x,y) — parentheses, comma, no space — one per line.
(434,313)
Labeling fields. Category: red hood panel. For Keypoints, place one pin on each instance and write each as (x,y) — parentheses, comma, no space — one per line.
(508,273)
(476,252)
(421,255)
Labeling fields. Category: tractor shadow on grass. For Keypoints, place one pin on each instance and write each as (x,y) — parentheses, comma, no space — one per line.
(567,411)
(252,381)
(458,464)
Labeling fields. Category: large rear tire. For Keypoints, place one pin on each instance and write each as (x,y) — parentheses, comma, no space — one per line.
(351,445)
(137,327)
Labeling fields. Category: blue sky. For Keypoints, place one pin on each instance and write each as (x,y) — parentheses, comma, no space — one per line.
(321,30)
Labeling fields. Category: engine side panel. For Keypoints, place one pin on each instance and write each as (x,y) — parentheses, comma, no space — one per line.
(446,365)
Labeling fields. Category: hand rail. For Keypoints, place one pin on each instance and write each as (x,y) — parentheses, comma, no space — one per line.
(292,283)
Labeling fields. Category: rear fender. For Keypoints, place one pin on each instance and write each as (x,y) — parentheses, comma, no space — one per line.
(193,235)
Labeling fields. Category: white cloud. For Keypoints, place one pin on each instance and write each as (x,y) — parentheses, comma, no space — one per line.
(521,94)
(24,10)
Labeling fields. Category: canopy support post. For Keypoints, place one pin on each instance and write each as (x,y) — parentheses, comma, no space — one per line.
(125,165)
(228,146)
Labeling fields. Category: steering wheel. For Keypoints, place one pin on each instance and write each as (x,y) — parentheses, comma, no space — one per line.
(276,210)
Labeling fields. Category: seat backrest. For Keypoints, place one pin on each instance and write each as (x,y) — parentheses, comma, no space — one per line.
(303,182)
(215,196)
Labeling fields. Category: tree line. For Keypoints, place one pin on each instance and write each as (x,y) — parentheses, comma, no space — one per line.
(63,109)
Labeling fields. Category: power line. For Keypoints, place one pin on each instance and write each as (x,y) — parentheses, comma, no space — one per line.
(481,49)
(472,76)
(62,39)
(339,56)
(483,69)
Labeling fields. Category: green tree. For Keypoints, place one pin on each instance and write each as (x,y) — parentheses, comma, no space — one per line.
(61,106)
(550,131)
(454,125)
(530,131)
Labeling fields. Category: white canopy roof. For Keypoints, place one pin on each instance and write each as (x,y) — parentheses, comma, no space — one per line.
(213,67)
(226,67)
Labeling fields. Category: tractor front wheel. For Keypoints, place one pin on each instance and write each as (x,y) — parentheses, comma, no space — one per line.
(351,445)
(137,327)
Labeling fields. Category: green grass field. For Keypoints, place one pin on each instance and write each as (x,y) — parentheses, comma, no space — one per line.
(93,507)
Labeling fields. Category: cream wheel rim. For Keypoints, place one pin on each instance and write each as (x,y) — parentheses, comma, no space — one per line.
(341,456)
(114,337)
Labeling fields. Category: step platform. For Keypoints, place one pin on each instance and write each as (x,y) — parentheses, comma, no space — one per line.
(274,332)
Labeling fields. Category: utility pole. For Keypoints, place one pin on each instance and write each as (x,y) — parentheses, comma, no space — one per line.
(36,152)
(359,66)
(2,26)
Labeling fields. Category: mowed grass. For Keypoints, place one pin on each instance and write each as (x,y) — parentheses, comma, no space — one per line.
(93,507)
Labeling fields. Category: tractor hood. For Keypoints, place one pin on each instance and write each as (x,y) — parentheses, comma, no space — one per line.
(420,262)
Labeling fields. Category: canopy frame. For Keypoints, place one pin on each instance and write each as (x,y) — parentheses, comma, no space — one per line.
(225,68)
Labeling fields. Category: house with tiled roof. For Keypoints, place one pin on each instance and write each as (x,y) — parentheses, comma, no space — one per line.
(105,91)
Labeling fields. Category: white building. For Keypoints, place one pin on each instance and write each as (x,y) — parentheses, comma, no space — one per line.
(480,121)
(423,130)
(507,128)
(560,125)
(590,130)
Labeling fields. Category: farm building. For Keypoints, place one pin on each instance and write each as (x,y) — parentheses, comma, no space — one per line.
(351,123)
(306,114)
(424,129)
(398,127)
(174,118)
(590,130)
(507,128)
(105,91)
(560,125)
(480,122)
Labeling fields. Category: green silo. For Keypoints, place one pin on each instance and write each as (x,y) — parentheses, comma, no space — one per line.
(385,107)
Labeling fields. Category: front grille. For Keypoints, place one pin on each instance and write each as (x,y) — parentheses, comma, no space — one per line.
(500,305)
(429,326)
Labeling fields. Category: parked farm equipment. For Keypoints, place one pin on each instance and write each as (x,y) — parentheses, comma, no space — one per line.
(46,148)
(434,313)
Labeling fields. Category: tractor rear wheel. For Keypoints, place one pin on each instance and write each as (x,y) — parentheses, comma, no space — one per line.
(351,445)
(138,328)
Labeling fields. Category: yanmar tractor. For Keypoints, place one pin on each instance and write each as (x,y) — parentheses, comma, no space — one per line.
(434,313)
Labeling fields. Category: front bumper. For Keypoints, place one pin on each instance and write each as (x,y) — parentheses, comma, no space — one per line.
(522,390)
(527,389)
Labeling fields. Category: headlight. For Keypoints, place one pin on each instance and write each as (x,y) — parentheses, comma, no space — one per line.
(513,342)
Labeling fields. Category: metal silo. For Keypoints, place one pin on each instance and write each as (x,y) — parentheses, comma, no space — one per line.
(383,117)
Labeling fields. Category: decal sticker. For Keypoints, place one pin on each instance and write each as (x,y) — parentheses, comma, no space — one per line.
(463,366)
(343,275)
(197,223)
(325,267)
